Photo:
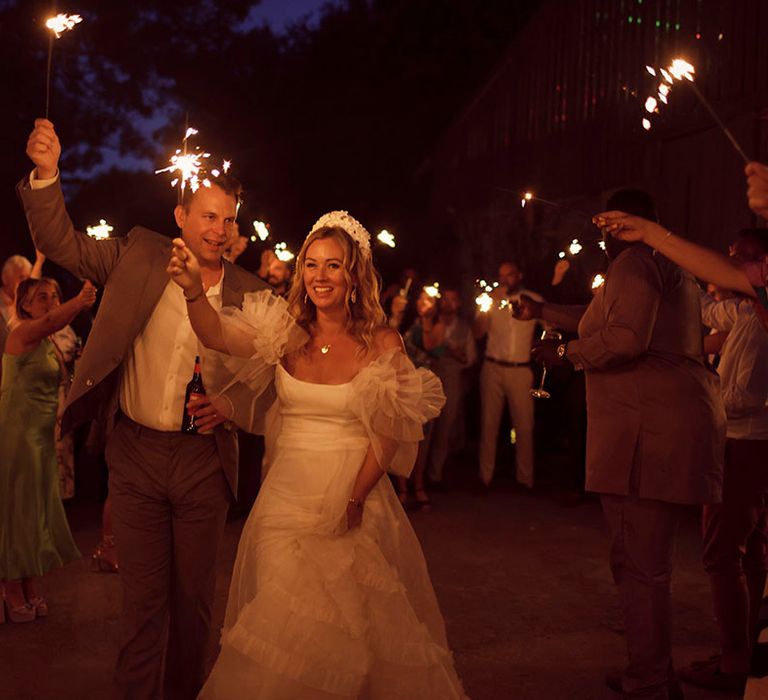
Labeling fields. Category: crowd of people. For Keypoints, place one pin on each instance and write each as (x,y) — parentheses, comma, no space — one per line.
(665,395)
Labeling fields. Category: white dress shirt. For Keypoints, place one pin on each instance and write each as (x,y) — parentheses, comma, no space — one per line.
(509,339)
(743,367)
(160,364)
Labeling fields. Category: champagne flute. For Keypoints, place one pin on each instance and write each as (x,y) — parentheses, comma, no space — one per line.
(540,392)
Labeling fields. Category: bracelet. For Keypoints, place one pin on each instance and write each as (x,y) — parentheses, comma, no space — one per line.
(358,504)
(663,240)
(194,298)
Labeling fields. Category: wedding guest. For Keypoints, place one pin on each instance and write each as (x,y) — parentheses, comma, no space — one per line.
(425,344)
(236,245)
(455,334)
(749,278)
(16,269)
(279,277)
(35,534)
(267,257)
(656,429)
(506,375)
(736,530)
(169,490)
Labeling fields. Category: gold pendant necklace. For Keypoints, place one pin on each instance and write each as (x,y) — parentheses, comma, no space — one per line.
(325,349)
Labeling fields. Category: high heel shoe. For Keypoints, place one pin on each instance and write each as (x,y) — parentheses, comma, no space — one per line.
(39,605)
(104,557)
(18,613)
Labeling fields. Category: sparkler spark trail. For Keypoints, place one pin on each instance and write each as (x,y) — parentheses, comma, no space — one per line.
(58,25)
(190,167)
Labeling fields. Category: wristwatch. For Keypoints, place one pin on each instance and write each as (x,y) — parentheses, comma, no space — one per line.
(561,350)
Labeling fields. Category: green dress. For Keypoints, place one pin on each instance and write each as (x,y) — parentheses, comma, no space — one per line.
(34,534)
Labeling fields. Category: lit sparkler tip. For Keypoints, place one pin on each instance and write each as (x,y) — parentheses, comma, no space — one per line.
(226,165)
(575,247)
(680,69)
(601,245)
(386,238)
(651,71)
(432,290)
(262,231)
(101,231)
(651,104)
(215,173)
(282,252)
(61,23)
(527,197)
(598,281)
(647,124)
(191,131)
(484,302)
(561,254)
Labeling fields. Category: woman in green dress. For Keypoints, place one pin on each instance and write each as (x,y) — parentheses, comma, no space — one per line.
(34,535)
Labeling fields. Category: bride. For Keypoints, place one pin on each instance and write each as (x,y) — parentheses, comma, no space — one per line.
(330,596)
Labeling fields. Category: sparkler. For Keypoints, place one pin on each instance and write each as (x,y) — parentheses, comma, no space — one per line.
(575,247)
(261,229)
(190,168)
(485,301)
(680,70)
(432,290)
(598,280)
(101,231)
(282,252)
(57,25)
(386,238)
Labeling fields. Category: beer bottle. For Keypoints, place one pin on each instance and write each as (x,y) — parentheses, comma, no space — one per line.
(195,389)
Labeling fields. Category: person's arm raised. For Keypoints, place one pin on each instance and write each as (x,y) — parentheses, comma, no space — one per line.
(29,332)
(701,262)
(49,223)
(185,271)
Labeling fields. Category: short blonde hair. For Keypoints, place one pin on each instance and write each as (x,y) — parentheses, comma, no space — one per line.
(15,262)
(364,315)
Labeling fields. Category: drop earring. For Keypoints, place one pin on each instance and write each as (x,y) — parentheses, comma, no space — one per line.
(306,298)
(353,295)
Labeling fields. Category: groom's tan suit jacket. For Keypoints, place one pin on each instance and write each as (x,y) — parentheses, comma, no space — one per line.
(132,271)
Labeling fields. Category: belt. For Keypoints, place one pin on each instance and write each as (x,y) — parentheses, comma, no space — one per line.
(504,363)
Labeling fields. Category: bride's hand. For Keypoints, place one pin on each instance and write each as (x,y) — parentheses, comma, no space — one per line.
(184,268)
(354,513)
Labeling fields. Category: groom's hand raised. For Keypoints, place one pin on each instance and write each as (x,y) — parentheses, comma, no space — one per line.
(44,149)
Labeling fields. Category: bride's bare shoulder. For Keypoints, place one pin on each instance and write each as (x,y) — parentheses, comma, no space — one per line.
(385,339)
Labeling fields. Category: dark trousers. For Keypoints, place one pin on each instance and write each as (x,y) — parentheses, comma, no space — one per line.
(169,504)
(642,534)
(735,535)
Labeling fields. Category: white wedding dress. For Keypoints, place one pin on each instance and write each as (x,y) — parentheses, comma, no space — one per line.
(316,611)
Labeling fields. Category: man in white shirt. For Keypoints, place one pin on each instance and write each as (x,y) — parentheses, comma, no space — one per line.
(169,490)
(736,530)
(506,374)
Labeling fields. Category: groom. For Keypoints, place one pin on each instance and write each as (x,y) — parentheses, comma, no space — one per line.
(169,490)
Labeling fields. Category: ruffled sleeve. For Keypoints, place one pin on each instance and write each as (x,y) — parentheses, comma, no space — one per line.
(241,381)
(394,400)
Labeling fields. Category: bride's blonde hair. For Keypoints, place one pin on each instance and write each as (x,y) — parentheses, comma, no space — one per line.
(364,314)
